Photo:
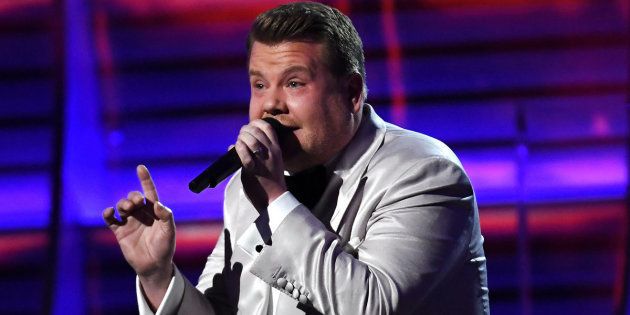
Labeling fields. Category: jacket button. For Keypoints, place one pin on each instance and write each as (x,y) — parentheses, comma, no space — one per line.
(289,287)
(259,248)
(281,282)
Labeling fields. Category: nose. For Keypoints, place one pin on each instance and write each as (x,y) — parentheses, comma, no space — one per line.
(275,102)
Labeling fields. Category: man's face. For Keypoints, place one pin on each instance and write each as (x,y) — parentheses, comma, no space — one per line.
(291,82)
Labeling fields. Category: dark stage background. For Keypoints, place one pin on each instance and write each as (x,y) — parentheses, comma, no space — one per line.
(532,95)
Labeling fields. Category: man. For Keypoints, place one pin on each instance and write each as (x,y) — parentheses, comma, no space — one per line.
(393,227)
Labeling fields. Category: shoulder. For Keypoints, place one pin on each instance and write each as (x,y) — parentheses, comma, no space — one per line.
(413,166)
(410,161)
(402,147)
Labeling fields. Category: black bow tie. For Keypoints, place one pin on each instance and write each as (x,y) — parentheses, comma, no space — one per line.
(308,186)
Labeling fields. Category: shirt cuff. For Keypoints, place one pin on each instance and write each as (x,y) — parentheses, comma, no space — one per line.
(174,294)
(280,208)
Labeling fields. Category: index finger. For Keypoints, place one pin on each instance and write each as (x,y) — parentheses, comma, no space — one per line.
(268,132)
(150,192)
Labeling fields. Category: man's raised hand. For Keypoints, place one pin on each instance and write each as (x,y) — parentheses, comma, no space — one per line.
(146,235)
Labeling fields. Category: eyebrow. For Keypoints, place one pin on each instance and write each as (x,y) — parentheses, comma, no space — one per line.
(286,72)
(294,69)
(255,73)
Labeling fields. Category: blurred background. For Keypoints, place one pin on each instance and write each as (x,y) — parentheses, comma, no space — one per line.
(532,95)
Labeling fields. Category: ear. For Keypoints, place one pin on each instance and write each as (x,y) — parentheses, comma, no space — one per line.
(355,91)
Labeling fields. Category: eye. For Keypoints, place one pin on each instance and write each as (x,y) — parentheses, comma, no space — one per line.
(295,84)
(258,86)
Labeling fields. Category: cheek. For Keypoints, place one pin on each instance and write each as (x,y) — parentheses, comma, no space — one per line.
(317,130)
(305,116)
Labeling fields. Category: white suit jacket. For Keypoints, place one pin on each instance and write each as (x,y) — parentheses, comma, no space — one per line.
(396,232)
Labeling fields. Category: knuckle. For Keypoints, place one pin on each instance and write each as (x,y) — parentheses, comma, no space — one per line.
(120,202)
(246,129)
(244,136)
(168,211)
(247,162)
(126,205)
(255,127)
(267,128)
(240,147)
(131,194)
(246,141)
(243,153)
(137,199)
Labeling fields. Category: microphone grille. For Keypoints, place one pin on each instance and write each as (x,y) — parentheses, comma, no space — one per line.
(279,128)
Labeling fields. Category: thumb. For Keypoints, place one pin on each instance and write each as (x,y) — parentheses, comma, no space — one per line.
(162,212)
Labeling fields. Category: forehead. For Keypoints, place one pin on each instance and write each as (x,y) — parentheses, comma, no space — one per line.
(286,54)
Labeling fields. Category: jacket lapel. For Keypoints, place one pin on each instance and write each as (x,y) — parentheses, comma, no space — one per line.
(354,160)
(240,216)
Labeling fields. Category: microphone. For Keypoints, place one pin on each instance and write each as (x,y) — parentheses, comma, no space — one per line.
(228,163)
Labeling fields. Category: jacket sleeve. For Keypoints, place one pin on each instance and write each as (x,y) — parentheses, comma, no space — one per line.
(419,228)
(181,298)
(208,297)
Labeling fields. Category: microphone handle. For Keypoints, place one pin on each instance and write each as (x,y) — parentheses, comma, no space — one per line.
(228,163)
(216,172)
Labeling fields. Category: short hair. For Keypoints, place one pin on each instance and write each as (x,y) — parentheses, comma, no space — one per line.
(311,21)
